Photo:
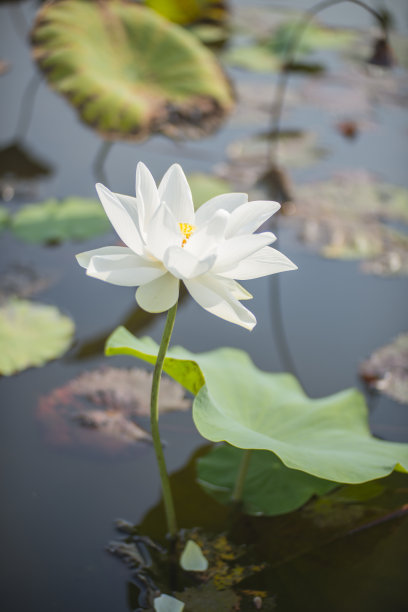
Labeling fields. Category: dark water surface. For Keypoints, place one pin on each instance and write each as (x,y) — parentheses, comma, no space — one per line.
(59,503)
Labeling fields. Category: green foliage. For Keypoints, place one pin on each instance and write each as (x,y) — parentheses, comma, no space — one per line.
(31,334)
(205,186)
(270,487)
(4,217)
(327,437)
(52,221)
(185,12)
(128,71)
(315,36)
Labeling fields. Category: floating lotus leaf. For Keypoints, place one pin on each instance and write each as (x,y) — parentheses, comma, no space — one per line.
(387,369)
(270,487)
(53,221)
(205,186)
(128,71)
(31,334)
(327,437)
(252,57)
(190,11)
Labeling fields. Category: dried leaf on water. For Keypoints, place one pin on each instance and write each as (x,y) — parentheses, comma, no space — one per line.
(206,597)
(350,217)
(128,71)
(249,160)
(17,161)
(22,281)
(121,396)
(387,369)
(31,334)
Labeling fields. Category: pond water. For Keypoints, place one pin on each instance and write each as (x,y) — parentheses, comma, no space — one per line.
(60,502)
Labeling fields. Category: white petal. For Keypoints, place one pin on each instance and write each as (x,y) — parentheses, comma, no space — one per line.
(183,264)
(234,250)
(208,237)
(126,270)
(263,262)
(84,258)
(123,218)
(217,296)
(175,191)
(163,232)
(159,295)
(146,193)
(247,218)
(225,201)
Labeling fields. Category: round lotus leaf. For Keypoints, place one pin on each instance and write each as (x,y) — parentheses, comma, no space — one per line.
(128,71)
(31,334)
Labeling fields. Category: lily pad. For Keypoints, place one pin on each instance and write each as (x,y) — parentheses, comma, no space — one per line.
(387,369)
(314,37)
(347,217)
(270,487)
(205,186)
(128,71)
(31,334)
(248,408)
(190,11)
(54,221)
(254,57)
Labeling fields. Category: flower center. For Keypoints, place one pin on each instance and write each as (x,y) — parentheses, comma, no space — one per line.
(186,229)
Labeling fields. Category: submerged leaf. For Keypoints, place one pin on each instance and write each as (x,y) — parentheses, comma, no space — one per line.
(206,597)
(130,72)
(387,369)
(327,437)
(17,161)
(249,160)
(122,396)
(31,334)
(22,281)
(345,217)
(270,487)
(53,221)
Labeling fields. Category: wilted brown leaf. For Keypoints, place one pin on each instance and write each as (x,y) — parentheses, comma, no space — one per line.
(122,395)
(387,369)
(346,218)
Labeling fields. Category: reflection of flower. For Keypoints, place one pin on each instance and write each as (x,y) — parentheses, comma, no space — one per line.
(167,242)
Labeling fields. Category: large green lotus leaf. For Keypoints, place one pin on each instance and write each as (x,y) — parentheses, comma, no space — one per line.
(31,334)
(52,221)
(270,487)
(248,408)
(128,71)
(179,363)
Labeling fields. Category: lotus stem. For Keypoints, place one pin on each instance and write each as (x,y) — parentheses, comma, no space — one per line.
(290,56)
(154,422)
(100,159)
(240,481)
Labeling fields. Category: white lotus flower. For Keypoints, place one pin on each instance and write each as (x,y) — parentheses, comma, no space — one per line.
(168,242)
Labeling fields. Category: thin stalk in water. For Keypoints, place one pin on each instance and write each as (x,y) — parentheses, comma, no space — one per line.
(240,481)
(154,423)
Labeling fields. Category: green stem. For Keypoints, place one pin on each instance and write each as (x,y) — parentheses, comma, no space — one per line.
(240,481)
(154,422)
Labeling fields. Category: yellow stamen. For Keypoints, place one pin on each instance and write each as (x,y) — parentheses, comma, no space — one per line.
(187,230)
